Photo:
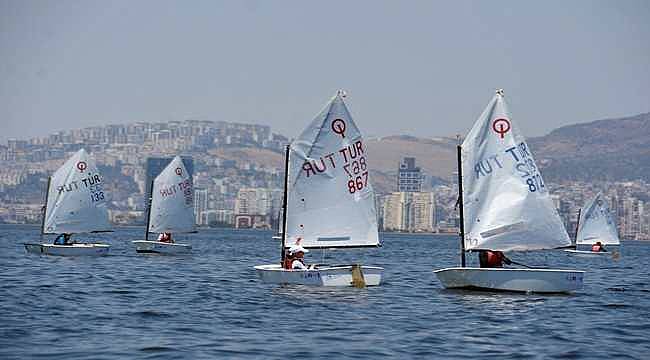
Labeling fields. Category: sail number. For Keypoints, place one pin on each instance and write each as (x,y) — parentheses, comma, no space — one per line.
(525,166)
(355,167)
(186,186)
(528,171)
(358,183)
(97,196)
(357,171)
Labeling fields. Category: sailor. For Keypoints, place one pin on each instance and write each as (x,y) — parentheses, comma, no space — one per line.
(165,237)
(598,247)
(63,239)
(492,259)
(297,252)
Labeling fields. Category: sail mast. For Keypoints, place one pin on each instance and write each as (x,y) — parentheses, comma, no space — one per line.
(47,196)
(460,206)
(284,201)
(146,230)
(575,241)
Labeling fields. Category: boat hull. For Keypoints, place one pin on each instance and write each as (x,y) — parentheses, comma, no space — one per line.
(517,280)
(157,247)
(339,275)
(588,252)
(68,250)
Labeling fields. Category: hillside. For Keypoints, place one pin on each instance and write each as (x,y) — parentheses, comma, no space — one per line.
(608,150)
(258,156)
(611,149)
(435,156)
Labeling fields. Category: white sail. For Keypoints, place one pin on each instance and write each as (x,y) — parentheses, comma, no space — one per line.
(76,201)
(597,224)
(330,200)
(506,203)
(172,200)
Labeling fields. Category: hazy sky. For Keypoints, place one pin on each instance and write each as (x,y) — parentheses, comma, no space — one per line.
(419,67)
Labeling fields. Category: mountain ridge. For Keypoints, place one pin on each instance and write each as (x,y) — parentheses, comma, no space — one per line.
(613,149)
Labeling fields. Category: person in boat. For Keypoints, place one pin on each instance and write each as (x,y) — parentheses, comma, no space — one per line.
(288,260)
(598,247)
(165,237)
(63,239)
(492,259)
(297,254)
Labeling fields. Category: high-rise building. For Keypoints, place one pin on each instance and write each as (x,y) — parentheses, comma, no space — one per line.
(409,211)
(632,221)
(201,206)
(392,211)
(422,212)
(410,178)
(258,201)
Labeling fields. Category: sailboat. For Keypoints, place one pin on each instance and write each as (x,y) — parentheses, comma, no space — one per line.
(505,206)
(170,209)
(75,203)
(595,224)
(329,201)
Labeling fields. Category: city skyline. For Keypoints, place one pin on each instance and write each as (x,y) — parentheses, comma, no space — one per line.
(78,64)
(245,190)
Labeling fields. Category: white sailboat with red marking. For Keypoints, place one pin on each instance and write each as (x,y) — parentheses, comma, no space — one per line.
(170,210)
(75,203)
(329,201)
(596,225)
(504,206)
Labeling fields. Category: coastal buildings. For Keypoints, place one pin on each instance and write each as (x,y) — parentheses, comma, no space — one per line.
(237,174)
(257,207)
(409,209)
(409,212)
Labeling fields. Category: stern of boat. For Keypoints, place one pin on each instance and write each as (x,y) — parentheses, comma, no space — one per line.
(34,248)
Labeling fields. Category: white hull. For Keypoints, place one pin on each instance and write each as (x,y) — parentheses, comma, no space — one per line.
(322,276)
(519,280)
(588,252)
(157,247)
(68,250)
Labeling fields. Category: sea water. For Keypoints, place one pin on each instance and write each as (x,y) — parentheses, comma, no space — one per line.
(212,305)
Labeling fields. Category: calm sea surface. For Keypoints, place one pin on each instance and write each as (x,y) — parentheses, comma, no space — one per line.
(211,305)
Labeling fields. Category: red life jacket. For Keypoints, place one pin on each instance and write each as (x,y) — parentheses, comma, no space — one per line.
(165,238)
(288,263)
(494,259)
(595,248)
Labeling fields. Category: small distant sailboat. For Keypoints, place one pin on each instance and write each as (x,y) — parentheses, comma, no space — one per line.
(504,206)
(75,203)
(170,210)
(329,201)
(596,225)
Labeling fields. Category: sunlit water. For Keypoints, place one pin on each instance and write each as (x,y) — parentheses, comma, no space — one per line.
(211,304)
